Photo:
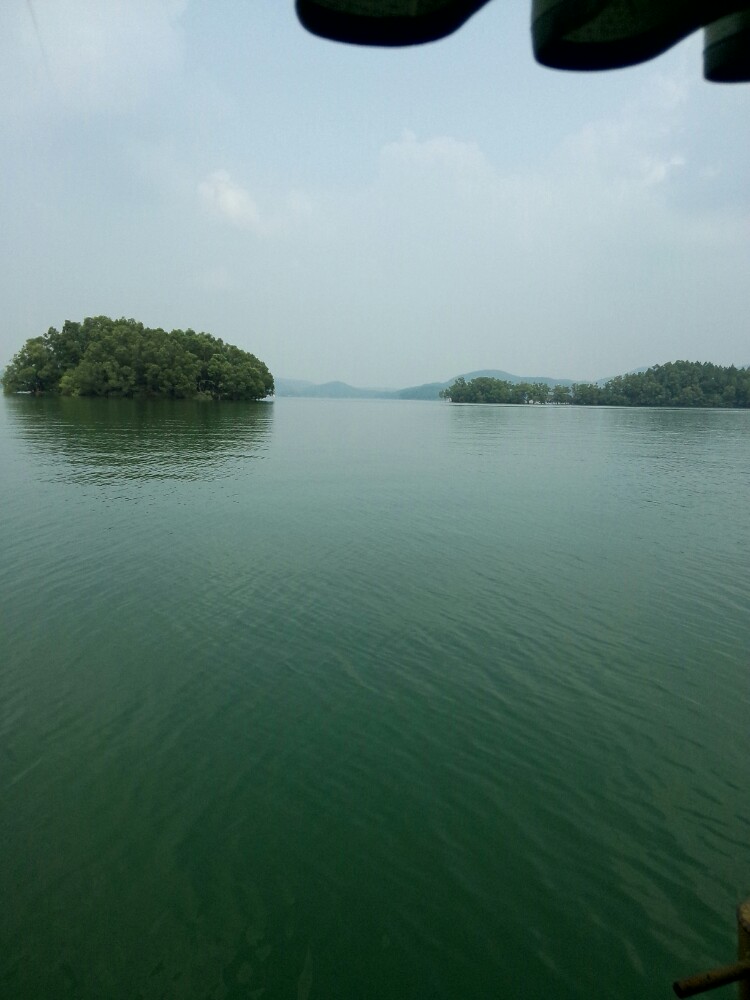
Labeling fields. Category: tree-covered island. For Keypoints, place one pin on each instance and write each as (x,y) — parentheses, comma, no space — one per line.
(678,383)
(120,357)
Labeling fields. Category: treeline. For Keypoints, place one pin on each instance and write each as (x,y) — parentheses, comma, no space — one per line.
(678,383)
(106,357)
(495,390)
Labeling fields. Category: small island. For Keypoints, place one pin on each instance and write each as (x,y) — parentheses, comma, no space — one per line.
(678,383)
(123,358)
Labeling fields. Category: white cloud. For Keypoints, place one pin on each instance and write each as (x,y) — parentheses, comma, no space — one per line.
(589,246)
(668,91)
(229,201)
(439,152)
(643,145)
(656,171)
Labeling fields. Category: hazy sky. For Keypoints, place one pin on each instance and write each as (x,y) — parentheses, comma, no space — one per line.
(384,217)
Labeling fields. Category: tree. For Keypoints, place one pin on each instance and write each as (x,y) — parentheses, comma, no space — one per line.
(539,392)
(105,357)
(33,369)
(585,394)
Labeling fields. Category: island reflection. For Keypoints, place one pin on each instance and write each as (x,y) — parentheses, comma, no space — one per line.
(106,440)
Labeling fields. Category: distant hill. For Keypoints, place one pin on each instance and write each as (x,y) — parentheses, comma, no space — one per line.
(515,379)
(428,390)
(292,386)
(329,390)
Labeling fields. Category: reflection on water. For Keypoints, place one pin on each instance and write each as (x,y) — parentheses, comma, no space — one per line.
(434,702)
(109,440)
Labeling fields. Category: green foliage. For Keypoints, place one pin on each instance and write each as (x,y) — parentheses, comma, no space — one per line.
(33,369)
(561,394)
(105,357)
(494,390)
(678,383)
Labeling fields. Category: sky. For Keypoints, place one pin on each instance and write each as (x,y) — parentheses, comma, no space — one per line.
(382,217)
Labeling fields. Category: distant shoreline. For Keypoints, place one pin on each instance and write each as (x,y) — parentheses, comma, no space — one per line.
(696,380)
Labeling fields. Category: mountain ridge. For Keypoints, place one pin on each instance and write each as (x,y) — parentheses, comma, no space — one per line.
(426,390)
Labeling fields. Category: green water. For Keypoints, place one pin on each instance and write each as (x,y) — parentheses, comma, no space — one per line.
(330,699)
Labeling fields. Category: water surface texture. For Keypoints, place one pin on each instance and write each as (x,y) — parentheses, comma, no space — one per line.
(332,699)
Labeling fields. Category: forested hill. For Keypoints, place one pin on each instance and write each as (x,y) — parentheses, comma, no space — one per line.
(107,357)
(678,383)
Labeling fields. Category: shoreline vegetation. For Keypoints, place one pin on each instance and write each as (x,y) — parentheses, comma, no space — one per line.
(677,383)
(123,359)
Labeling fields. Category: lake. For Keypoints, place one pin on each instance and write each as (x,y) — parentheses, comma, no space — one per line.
(371,699)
